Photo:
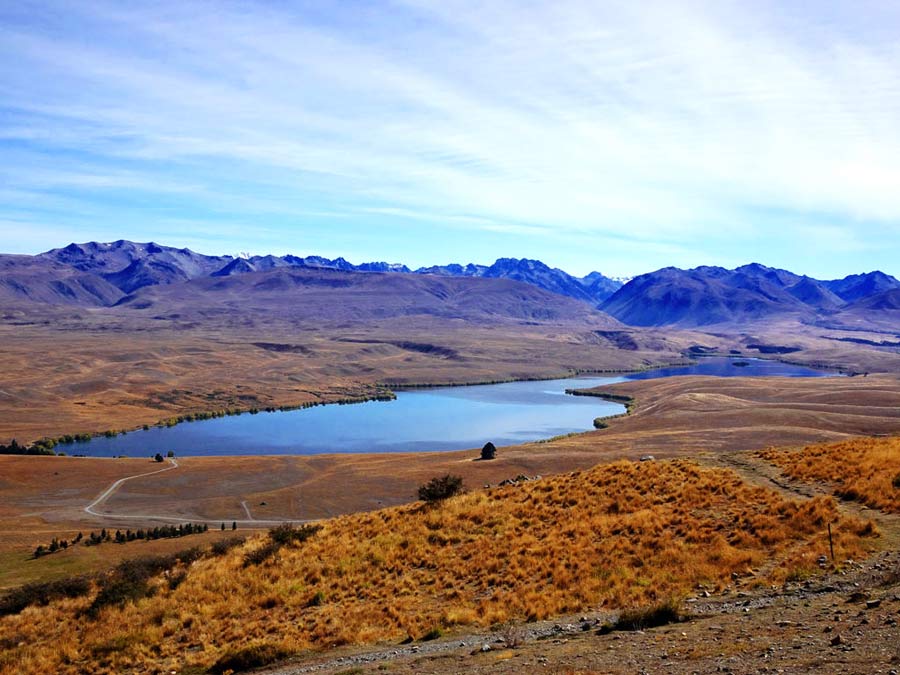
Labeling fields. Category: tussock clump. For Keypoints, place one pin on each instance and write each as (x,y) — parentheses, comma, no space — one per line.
(866,470)
(660,614)
(620,535)
(247,658)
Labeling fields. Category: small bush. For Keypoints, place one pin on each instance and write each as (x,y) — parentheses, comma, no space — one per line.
(189,555)
(438,489)
(128,582)
(896,482)
(287,533)
(43,593)
(649,617)
(254,656)
(176,578)
(279,536)
(118,591)
(222,546)
(261,554)
(433,634)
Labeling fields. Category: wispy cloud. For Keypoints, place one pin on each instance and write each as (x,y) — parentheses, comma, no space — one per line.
(535,124)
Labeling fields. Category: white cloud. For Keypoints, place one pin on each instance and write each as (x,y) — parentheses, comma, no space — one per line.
(664,120)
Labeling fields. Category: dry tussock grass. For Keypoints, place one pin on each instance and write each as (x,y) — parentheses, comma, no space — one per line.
(863,469)
(617,535)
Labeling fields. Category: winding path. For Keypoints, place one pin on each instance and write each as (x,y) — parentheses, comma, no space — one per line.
(108,492)
(115,486)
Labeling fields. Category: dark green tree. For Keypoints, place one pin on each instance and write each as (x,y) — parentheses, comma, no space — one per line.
(489,451)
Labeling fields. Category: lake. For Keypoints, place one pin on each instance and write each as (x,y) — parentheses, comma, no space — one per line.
(446,418)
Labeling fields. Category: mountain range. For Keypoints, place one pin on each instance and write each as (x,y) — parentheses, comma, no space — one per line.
(135,275)
(130,266)
(707,295)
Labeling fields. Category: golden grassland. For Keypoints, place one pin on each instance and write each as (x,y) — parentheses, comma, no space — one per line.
(862,469)
(688,415)
(616,536)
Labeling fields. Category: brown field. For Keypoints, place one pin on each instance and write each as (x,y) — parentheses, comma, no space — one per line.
(615,536)
(97,373)
(698,414)
(93,370)
(864,470)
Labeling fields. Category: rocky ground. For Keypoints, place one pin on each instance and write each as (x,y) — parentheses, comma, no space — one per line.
(843,622)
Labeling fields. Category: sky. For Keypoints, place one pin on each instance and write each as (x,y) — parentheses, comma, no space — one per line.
(593,135)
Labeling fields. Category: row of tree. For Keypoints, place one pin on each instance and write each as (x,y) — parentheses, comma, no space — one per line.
(120,537)
(38,448)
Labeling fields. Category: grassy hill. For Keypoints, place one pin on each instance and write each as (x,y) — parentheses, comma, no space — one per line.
(866,470)
(623,535)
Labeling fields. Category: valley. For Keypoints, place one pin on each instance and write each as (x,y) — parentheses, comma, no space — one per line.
(100,339)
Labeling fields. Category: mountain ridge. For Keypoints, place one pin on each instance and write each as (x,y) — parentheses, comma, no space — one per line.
(130,266)
(709,295)
(102,274)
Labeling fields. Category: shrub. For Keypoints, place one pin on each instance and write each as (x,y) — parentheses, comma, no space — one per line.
(896,482)
(287,533)
(129,580)
(433,634)
(640,618)
(43,593)
(222,546)
(261,554)
(438,489)
(279,536)
(176,578)
(254,656)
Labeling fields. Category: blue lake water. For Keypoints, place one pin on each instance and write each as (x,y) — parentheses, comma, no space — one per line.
(448,418)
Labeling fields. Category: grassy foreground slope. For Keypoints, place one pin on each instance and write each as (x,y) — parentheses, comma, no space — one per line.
(863,469)
(617,536)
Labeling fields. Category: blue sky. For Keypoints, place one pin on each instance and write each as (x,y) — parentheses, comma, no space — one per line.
(617,136)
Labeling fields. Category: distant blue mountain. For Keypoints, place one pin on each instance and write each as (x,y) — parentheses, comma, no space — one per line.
(129,266)
(714,295)
(696,297)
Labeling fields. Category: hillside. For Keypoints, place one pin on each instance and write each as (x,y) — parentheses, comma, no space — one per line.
(26,281)
(858,286)
(700,297)
(864,470)
(706,296)
(129,265)
(326,296)
(616,536)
